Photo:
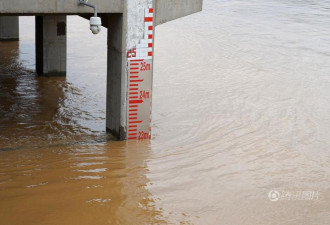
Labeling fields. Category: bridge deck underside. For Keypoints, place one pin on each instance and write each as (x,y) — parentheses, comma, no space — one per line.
(166,10)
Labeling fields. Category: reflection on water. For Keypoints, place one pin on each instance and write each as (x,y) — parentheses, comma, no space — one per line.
(38,111)
(240,108)
(85,184)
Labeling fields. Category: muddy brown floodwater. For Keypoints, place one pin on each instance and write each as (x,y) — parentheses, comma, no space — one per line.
(241,125)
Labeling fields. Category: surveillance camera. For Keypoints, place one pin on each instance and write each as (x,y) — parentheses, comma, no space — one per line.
(95,23)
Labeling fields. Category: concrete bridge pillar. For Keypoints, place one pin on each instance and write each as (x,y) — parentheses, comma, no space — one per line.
(131,25)
(51,45)
(9,28)
(129,80)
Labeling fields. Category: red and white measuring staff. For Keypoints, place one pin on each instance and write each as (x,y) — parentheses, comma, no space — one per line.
(140,82)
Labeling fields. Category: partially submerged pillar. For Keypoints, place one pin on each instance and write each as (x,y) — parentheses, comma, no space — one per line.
(130,66)
(9,28)
(51,45)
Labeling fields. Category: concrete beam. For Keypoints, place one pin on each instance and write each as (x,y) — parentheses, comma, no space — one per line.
(51,45)
(9,28)
(58,6)
(167,10)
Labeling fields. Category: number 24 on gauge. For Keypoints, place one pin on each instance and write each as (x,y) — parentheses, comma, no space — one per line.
(144,94)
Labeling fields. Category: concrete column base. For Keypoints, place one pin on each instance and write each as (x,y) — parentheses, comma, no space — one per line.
(9,28)
(51,45)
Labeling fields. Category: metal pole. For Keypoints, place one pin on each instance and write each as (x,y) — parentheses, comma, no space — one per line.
(84,2)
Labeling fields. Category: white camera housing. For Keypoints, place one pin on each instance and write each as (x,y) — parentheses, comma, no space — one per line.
(95,23)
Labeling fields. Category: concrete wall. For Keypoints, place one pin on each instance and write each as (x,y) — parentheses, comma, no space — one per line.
(167,10)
